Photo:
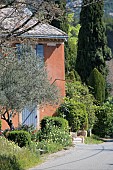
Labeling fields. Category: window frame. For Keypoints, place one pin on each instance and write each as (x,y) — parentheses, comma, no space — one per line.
(40,51)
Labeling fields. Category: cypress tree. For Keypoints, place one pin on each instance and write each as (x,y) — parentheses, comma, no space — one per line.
(97,81)
(92,44)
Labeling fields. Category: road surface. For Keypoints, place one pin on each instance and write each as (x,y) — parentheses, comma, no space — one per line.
(81,157)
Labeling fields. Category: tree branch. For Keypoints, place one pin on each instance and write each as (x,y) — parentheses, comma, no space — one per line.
(3,116)
(9,4)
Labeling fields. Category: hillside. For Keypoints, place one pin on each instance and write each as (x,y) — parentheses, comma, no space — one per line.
(108,7)
(75,5)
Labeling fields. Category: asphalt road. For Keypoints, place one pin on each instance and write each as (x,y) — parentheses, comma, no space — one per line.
(81,157)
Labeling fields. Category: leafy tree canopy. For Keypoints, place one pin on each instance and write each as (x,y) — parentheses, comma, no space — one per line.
(71,45)
(80,104)
(104,124)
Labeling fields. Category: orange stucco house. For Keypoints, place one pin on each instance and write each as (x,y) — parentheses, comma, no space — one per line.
(49,44)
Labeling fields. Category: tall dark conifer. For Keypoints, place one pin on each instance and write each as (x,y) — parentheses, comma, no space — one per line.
(92,43)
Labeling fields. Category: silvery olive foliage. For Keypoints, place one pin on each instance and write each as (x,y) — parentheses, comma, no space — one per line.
(24,82)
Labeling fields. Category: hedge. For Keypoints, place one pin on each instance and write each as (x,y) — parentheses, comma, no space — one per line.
(22,138)
(54,121)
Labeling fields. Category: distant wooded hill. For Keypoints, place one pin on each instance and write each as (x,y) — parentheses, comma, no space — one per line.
(74,6)
(108,7)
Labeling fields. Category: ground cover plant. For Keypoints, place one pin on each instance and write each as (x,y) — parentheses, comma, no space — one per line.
(12,157)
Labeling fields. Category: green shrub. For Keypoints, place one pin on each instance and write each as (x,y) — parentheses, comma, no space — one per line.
(22,138)
(54,121)
(31,129)
(75,113)
(79,93)
(97,81)
(104,124)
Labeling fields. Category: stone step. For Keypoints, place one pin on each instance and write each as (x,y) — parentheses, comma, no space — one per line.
(78,140)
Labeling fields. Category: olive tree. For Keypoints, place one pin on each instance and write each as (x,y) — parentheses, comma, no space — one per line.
(23,82)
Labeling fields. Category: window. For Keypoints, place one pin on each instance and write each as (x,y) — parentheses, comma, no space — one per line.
(40,51)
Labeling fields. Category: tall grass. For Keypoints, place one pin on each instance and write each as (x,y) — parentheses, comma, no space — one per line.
(12,157)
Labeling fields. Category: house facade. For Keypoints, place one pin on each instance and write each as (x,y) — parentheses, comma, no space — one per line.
(48,42)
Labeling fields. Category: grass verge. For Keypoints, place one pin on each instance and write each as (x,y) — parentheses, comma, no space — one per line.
(93,140)
(12,157)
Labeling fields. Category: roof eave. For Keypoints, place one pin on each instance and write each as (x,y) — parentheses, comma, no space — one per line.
(65,37)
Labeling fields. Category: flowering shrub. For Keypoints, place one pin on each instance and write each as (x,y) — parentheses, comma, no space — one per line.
(54,134)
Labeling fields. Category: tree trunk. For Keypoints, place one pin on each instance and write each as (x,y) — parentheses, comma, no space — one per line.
(10,123)
(6,116)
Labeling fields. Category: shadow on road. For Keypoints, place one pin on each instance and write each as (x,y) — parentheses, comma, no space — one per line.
(100,150)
